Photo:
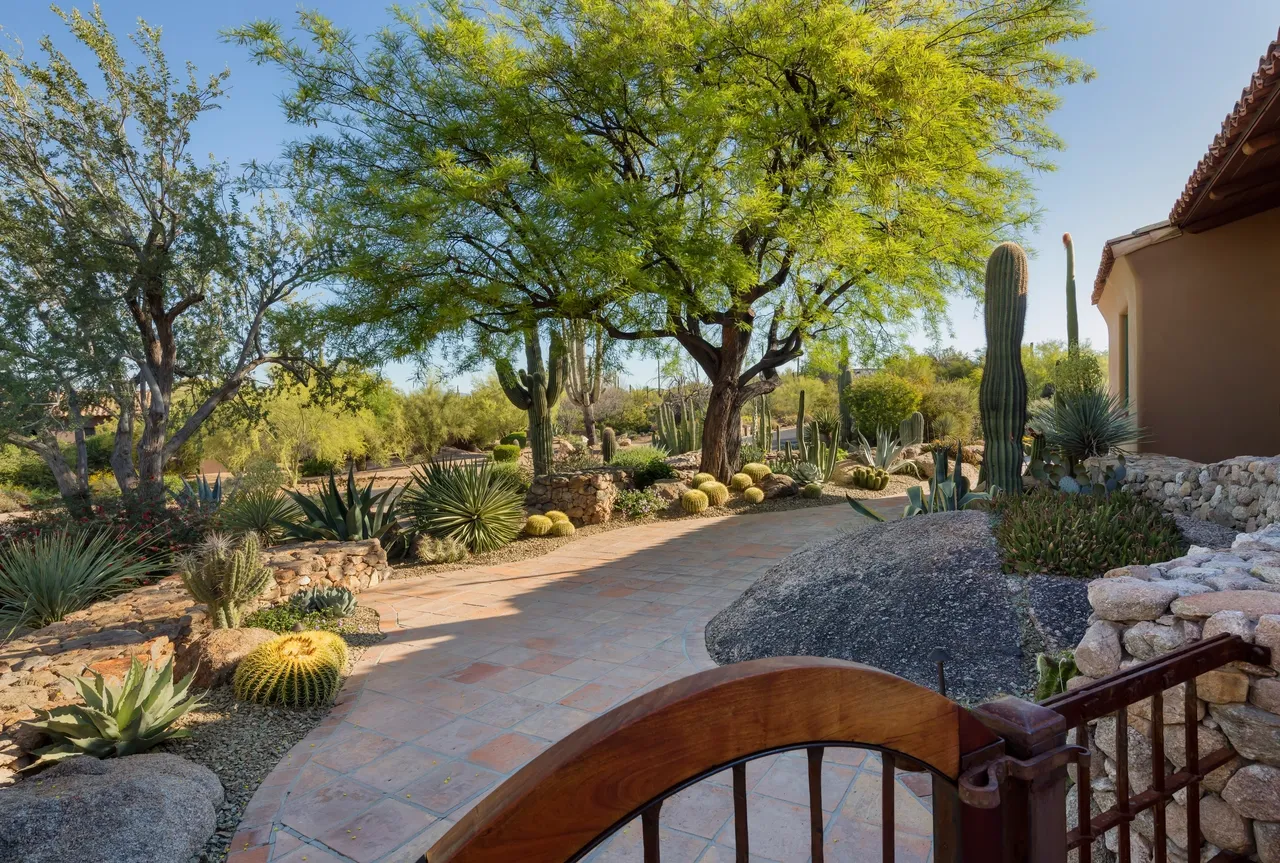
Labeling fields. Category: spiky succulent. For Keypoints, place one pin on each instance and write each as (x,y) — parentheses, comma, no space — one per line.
(812,491)
(562,528)
(717,493)
(260,511)
(693,501)
(556,516)
(700,478)
(754,495)
(226,576)
(337,601)
(473,505)
(298,669)
(429,550)
(741,482)
(803,471)
(538,525)
(344,515)
(756,470)
(116,720)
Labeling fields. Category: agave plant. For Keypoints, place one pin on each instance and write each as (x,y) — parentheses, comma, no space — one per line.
(202,497)
(352,514)
(117,720)
(947,493)
(261,511)
(45,578)
(472,505)
(887,455)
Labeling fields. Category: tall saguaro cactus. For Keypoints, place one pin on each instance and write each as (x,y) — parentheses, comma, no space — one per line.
(846,415)
(1002,398)
(1073,324)
(536,390)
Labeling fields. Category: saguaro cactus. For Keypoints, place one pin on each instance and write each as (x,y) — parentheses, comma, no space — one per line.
(1073,324)
(536,390)
(1002,398)
(608,445)
(846,415)
(911,430)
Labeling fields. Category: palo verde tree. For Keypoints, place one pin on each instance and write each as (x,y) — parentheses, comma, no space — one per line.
(115,243)
(736,177)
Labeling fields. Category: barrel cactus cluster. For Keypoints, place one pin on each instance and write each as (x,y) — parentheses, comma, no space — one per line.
(537,525)
(740,482)
(870,478)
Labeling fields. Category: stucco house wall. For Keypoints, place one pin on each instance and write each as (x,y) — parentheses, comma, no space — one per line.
(1204,339)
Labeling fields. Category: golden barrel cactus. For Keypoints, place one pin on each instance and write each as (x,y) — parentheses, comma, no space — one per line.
(754,495)
(717,493)
(693,501)
(741,481)
(700,478)
(563,528)
(756,470)
(298,669)
(556,516)
(538,525)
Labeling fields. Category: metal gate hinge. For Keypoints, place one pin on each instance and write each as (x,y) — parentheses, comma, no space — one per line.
(979,786)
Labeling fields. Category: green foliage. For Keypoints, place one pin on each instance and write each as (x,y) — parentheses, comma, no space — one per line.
(1083,535)
(1042,360)
(1078,373)
(537,525)
(887,455)
(285,618)
(753,495)
(947,493)
(1085,425)
(48,576)
(880,401)
(350,514)
(636,503)
(1002,397)
(203,496)
(647,464)
(1053,673)
(512,474)
(506,452)
(329,600)
(678,432)
(225,576)
(429,550)
(784,401)
(918,368)
(470,504)
(261,510)
(115,721)
(694,501)
(517,440)
(950,409)
(298,669)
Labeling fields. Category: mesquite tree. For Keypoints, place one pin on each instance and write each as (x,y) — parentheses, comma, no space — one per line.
(734,177)
(127,259)
(536,389)
(588,354)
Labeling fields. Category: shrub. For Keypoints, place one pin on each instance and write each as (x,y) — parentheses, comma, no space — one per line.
(428,549)
(741,482)
(225,576)
(880,401)
(469,504)
(300,669)
(1082,535)
(1078,373)
(637,503)
(716,492)
(756,470)
(750,454)
(950,408)
(754,495)
(335,601)
(260,510)
(516,440)
(538,525)
(513,474)
(117,720)
(647,464)
(286,618)
(351,514)
(313,466)
(48,576)
(506,452)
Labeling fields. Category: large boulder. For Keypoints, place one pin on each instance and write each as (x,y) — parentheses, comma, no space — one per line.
(153,808)
(777,485)
(887,595)
(214,656)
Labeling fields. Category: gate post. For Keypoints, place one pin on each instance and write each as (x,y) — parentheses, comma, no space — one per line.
(1034,811)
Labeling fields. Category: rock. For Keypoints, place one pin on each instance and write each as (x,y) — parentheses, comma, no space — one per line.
(1253,603)
(886,595)
(1129,598)
(1175,742)
(1267,634)
(1254,792)
(669,490)
(777,485)
(1098,654)
(1206,533)
(1139,753)
(1222,687)
(1218,779)
(1253,732)
(1175,706)
(1230,622)
(1267,837)
(1265,693)
(214,656)
(1147,640)
(1059,609)
(1223,826)
(141,809)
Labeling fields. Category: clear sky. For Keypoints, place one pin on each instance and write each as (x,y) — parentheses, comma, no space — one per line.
(1168,72)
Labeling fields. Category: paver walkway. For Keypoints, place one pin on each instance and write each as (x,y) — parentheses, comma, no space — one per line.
(484,668)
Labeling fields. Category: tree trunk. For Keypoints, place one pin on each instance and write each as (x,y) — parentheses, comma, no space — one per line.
(721,432)
(122,449)
(589,422)
(74,489)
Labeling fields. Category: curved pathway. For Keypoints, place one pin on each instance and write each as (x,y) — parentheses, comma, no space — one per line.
(484,668)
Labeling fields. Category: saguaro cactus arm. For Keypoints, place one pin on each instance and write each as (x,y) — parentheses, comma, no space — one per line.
(513,385)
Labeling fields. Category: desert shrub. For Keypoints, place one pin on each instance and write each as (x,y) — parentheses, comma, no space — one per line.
(288,618)
(513,474)
(579,459)
(506,452)
(514,439)
(819,396)
(344,514)
(637,503)
(48,576)
(1082,535)
(316,466)
(469,504)
(647,464)
(13,500)
(880,401)
(950,408)
(260,510)
(1078,373)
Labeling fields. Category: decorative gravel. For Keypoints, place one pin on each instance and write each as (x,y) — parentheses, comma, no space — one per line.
(241,742)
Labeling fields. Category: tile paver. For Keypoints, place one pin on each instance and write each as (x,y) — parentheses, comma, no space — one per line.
(484,668)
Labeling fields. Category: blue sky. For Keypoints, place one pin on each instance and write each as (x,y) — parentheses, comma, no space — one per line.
(1168,71)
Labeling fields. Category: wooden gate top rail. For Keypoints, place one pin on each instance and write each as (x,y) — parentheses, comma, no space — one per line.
(612,768)
(1110,694)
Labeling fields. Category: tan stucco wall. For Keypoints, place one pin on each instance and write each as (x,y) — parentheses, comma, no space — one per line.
(1204,319)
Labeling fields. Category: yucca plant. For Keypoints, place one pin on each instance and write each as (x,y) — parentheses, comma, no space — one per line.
(45,578)
(117,720)
(260,511)
(351,514)
(1084,425)
(471,505)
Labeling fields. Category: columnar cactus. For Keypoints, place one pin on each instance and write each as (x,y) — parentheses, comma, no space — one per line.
(536,391)
(911,431)
(682,434)
(225,576)
(1073,324)
(1002,397)
(804,448)
(846,415)
(608,445)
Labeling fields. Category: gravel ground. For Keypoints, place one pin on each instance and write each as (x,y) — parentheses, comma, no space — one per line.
(527,547)
(241,742)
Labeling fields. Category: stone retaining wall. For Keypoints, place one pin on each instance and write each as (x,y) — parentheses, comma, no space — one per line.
(1241,493)
(356,566)
(586,496)
(1141,612)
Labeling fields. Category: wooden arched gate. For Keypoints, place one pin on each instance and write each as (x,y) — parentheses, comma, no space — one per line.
(999,770)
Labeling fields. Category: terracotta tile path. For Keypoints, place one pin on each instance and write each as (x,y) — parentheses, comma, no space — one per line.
(484,668)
